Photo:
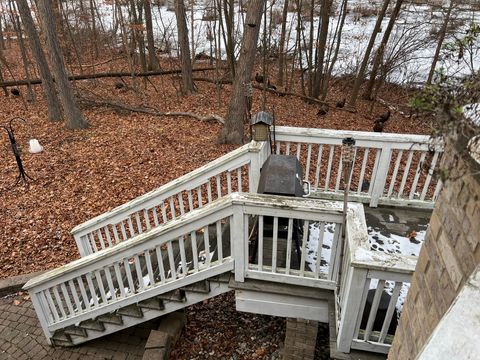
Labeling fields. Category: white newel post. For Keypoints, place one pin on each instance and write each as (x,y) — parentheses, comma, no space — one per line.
(380,177)
(354,286)
(237,242)
(41,310)
(82,244)
(259,152)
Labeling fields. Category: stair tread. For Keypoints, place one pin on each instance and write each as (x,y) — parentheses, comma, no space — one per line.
(92,325)
(198,287)
(111,319)
(175,295)
(152,303)
(131,310)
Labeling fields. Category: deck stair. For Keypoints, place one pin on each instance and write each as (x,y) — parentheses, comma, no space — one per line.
(208,232)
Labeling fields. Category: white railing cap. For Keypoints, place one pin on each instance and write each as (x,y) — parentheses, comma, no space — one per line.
(139,201)
(266,201)
(358,135)
(361,254)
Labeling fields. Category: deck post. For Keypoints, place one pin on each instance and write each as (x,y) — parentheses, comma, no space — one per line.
(259,151)
(350,307)
(40,309)
(237,241)
(82,245)
(380,177)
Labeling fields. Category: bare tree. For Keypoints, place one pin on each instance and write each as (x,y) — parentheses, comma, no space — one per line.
(281,45)
(363,66)
(232,131)
(54,111)
(187,79)
(152,59)
(73,116)
(322,44)
(381,50)
(441,38)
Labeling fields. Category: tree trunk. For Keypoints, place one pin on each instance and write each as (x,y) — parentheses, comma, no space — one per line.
(363,66)
(153,63)
(381,50)
(337,39)
(281,45)
(441,38)
(73,116)
(54,111)
(187,78)
(230,45)
(232,132)
(322,43)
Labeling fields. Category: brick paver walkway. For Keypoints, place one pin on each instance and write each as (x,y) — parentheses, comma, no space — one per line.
(22,338)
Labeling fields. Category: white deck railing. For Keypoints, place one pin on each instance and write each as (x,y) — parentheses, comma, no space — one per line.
(236,171)
(361,324)
(200,244)
(389,169)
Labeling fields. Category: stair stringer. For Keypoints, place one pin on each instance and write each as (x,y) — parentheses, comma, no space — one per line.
(216,288)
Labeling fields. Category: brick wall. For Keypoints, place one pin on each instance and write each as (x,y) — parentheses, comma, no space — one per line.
(449,255)
(300,339)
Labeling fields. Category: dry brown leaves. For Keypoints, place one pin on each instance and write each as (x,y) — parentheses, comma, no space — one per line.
(122,155)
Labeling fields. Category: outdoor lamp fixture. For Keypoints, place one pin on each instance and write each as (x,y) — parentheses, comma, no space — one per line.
(260,124)
(34,148)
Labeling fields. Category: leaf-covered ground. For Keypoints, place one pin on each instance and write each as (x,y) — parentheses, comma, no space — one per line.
(83,173)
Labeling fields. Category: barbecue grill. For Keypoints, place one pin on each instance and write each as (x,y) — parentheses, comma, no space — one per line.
(282,175)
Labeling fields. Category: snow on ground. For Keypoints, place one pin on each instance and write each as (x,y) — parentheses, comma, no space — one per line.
(413,32)
(380,239)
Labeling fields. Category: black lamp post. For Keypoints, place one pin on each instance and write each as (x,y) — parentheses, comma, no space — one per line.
(22,175)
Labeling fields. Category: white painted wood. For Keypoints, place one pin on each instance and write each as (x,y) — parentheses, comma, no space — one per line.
(118,277)
(319,164)
(148,260)
(319,248)
(281,305)
(293,278)
(100,287)
(128,271)
(362,170)
(239,180)
(229,182)
(395,172)
(431,169)
(83,292)
(206,241)
(171,261)
(389,313)
(309,157)
(353,292)
(374,309)
(370,346)
(329,167)
(111,288)
(76,299)
(161,268)
(306,229)
(66,297)
(406,171)
(274,244)
(289,246)
(260,243)
(363,301)
(339,175)
(41,308)
(417,175)
(193,238)
(139,273)
(375,188)
(218,226)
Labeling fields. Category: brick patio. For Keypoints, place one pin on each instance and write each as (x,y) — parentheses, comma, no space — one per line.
(21,338)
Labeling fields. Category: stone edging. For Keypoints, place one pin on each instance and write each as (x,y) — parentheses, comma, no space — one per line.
(14,284)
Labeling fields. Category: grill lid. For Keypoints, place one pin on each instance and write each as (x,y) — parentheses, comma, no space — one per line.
(281,175)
